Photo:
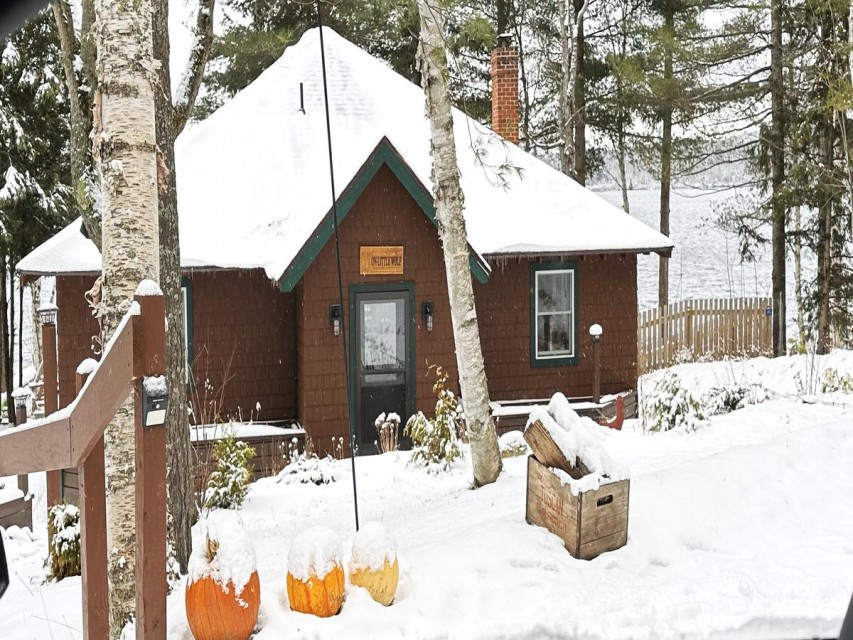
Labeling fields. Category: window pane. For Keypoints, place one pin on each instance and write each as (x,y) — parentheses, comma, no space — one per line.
(383,335)
(554,291)
(554,335)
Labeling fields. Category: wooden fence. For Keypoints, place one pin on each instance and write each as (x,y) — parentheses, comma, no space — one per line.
(692,329)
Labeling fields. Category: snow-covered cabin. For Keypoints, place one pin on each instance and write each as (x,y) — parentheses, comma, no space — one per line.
(548,257)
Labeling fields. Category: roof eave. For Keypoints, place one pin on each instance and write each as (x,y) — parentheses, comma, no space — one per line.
(662,251)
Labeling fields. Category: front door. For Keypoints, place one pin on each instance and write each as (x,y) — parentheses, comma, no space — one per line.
(382,360)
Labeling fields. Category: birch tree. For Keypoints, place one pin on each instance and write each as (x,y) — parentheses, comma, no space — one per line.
(124,150)
(449,203)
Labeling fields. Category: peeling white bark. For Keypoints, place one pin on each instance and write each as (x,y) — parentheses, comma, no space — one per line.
(124,150)
(449,204)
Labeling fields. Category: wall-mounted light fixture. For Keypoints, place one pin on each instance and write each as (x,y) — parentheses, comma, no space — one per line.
(155,401)
(428,313)
(335,318)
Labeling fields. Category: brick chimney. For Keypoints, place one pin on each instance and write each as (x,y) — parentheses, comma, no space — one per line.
(505,89)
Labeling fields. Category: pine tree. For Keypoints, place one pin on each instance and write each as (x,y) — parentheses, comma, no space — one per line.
(35,194)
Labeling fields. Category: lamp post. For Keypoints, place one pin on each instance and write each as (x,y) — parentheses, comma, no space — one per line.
(595,332)
(21,398)
(47,317)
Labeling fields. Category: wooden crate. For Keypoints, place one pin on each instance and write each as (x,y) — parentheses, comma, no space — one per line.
(589,524)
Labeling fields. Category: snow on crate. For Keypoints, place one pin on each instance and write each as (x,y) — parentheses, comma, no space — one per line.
(224,552)
(576,439)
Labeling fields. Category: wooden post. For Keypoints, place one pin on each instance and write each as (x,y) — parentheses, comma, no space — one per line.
(20,414)
(150,353)
(24,484)
(93,540)
(51,402)
(596,364)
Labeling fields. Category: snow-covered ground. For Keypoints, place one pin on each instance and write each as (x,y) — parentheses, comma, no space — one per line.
(741,529)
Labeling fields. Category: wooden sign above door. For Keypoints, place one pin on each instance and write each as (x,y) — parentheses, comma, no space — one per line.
(381,261)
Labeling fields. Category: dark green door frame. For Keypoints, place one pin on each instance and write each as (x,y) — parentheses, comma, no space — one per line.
(407,288)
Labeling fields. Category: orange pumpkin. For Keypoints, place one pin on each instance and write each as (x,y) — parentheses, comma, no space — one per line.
(322,597)
(315,575)
(215,610)
(216,613)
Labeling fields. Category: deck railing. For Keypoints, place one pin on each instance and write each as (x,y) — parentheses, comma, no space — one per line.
(692,329)
(74,437)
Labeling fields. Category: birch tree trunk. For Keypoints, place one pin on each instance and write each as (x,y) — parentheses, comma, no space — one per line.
(449,203)
(124,151)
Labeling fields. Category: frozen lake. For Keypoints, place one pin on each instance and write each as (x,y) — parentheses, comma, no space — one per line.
(705,262)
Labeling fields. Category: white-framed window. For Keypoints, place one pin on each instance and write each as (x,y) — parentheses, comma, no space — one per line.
(554,313)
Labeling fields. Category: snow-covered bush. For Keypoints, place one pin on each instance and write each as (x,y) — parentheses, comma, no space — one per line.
(228,485)
(731,397)
(835,382)
(670,405)
(512,444)
(306,466)
(63,528)
(387,428)
(436,442)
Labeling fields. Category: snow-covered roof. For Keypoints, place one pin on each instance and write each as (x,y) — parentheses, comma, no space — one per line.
(69,252)
(253,178)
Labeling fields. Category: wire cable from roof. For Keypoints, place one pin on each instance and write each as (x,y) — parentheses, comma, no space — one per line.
(344,349)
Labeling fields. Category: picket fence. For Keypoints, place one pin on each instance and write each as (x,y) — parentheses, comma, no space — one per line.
(703,328)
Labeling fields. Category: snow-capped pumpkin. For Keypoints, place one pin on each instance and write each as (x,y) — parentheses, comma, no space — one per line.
(374,563)
(315,575)
(223,593)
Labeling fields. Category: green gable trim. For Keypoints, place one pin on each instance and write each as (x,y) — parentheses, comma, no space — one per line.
(383,155)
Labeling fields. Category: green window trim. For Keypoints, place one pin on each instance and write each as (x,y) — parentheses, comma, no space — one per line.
(537,360)
(187,299)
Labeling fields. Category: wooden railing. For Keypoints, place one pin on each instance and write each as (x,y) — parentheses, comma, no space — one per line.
(74,437)
(693,329)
